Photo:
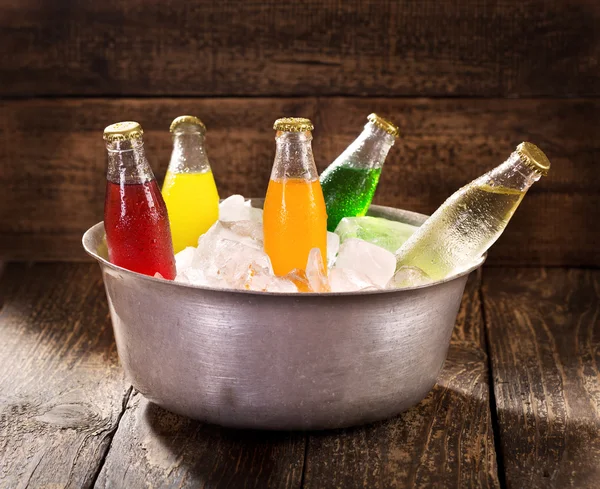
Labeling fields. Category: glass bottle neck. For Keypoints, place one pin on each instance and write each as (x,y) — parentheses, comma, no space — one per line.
(188,155)
(294,157)
(127,163)
(368,150)
(513,173)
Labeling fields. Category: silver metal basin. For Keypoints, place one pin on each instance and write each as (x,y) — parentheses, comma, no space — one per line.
(280,361)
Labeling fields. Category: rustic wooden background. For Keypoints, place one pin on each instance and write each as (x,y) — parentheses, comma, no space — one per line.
(466,81)
(517,404)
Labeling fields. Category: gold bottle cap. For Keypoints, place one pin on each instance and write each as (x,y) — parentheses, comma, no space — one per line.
(293,124)
(384,124)
(534,157)
(123,131)
(187,119)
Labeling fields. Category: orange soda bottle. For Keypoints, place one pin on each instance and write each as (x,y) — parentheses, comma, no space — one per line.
(295,218)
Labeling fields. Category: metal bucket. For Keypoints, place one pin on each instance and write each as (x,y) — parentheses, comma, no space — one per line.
(280,361)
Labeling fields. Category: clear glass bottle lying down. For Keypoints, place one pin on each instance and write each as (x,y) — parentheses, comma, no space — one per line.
(465,226)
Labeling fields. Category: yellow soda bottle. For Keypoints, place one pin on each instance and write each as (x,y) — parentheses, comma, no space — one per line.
(295,218)
(189,189)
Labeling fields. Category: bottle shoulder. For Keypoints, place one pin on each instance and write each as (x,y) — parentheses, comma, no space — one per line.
(368,151)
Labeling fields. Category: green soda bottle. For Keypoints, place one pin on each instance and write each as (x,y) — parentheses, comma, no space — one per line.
(349,183)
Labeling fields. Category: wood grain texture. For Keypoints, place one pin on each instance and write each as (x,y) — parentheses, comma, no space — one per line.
(445,441)
(544,335)
(54,161)
(61,389)
(154,448)
(315,47)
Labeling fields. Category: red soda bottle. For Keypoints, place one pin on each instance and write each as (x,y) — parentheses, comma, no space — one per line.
(135,216)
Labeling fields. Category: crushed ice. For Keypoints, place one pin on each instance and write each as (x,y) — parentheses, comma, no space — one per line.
(231,255)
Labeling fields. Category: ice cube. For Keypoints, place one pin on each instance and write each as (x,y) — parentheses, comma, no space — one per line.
(231,260)
(255,213)
(225,256)
(255,278)
(346,280)
(183,259)
(192,276)
(236,208)
(390,235)
(280,284)
(246,229)
(374,262)
(333,246)
(209,241)
(299,279)
(261,279)
(316,272)
(407,276)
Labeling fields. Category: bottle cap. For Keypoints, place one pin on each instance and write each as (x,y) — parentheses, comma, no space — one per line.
(384,124)
(123,131)
(187,119)
(293,124)
(534,157)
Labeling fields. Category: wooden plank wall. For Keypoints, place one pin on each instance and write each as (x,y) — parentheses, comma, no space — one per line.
(466,80)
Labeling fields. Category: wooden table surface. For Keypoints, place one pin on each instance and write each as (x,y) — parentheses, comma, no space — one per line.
(517,404)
